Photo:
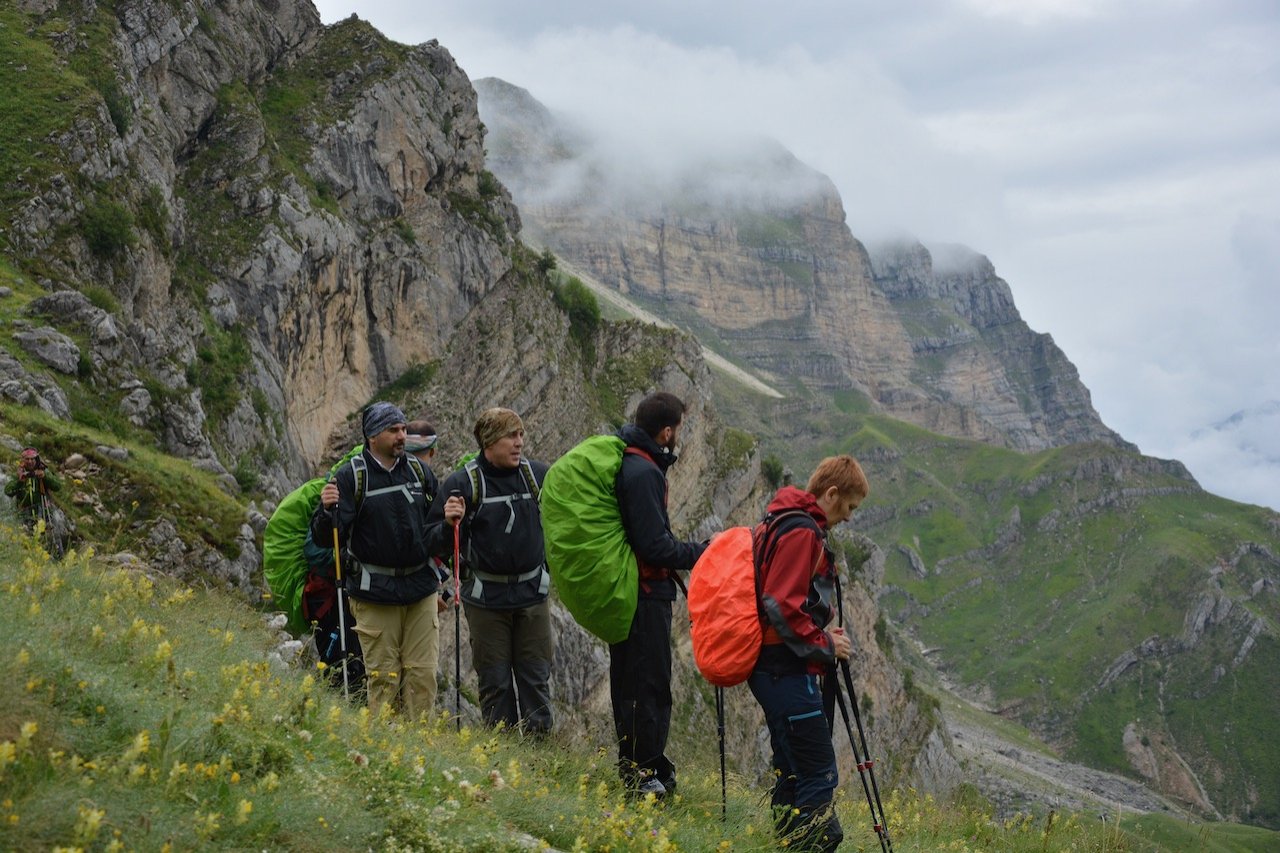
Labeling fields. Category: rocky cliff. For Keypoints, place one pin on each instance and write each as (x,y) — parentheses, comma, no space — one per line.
(240,226)
(750,250)
(294,216)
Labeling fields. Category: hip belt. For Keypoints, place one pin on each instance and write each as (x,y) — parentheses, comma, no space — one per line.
(367,570)
(481,578)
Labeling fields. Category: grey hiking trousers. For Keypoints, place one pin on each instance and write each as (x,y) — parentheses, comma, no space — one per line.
(511,651)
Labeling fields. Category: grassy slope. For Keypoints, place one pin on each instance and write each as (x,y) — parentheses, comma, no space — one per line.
(143,488)
(1103,561)
(143,713)
(1091,577)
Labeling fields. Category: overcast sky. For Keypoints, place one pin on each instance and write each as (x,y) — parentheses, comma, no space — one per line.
(1119,162)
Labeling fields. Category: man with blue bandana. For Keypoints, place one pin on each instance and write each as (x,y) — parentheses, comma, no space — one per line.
(390,582)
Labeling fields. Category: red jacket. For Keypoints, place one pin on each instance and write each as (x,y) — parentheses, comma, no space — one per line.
(797,586)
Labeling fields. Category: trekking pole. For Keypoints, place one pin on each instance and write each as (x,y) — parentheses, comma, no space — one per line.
(866,765)
(864,768)
(724,795)
(457,620)
(342,618)
(55,547)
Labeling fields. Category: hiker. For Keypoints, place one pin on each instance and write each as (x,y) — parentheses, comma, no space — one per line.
(392,587)
(505,581)
(420,440)
(30,488)
(797,590)
(640,665)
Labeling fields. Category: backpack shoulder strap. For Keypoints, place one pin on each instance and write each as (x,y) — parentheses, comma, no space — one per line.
(636,451)
(765,539)
(530,481)
(477,482)
(360,469)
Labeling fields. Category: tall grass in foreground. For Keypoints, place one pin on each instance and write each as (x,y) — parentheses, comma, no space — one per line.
(139,714)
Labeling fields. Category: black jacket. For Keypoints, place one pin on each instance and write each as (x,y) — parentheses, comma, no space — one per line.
(389,531)
(501,537)
(641,487)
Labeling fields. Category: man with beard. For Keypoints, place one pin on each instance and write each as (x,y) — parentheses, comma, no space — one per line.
(392,587)
(640,665)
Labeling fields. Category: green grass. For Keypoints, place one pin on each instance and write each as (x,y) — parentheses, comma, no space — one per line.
(1161,832)
(1111,549)
(147,486)
(144,713)
(38,99)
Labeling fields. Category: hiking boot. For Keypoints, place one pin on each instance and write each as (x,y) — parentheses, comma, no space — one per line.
(651,785)
(637,785)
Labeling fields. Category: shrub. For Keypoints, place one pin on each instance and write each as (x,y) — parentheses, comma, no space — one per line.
(153,217)
(246,473)
(100,297)
(772,469)
(575,299)
(404,231)
(107,226)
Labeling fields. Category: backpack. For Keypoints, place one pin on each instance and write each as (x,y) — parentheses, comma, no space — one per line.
(478,499)
(289,554)
(590,560)
(728,626)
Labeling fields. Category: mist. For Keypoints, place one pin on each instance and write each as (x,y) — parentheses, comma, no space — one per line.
(1119,163)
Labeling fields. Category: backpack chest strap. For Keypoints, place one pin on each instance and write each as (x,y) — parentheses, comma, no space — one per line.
(509,500)
(386,490)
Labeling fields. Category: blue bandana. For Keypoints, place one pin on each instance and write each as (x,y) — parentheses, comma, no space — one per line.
(378,417)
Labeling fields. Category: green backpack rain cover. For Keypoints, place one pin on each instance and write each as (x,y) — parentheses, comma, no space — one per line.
(283,561)
(591,563)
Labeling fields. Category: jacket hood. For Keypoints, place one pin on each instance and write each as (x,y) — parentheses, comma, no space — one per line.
(636,437)
(790,498)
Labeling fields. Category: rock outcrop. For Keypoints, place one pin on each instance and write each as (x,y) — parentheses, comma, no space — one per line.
(752,249)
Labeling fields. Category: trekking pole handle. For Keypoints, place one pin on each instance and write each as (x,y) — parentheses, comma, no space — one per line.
(457,550)
(337,553)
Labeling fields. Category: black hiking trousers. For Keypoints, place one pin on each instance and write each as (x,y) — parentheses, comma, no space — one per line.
(640,688)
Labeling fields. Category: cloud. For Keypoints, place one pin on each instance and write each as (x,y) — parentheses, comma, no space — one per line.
(1118,162)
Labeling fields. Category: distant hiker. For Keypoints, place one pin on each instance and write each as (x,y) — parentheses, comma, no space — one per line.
(797,589)
(30,492)
(387,576)
(505,581)
(30,488)
(420,440)
(640,665)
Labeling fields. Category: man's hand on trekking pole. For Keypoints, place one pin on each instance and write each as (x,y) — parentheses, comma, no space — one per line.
(841,644)
(454,508)
(329,495)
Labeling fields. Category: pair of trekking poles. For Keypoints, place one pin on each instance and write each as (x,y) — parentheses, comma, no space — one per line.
(861,751)
(46,514)
(457,623)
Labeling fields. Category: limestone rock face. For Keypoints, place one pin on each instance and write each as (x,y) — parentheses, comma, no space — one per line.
(1003,383)
(297,259)
(751,249)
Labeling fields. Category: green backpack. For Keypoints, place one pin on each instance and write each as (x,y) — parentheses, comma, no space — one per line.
(590,560)
(286,542)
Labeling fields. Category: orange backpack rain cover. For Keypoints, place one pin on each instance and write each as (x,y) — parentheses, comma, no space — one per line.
(726,631)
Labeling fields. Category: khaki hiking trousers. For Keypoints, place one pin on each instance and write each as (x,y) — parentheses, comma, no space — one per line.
(401,645)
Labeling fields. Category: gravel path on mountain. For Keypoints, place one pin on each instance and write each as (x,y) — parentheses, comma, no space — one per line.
(1017,779)
(713,358)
